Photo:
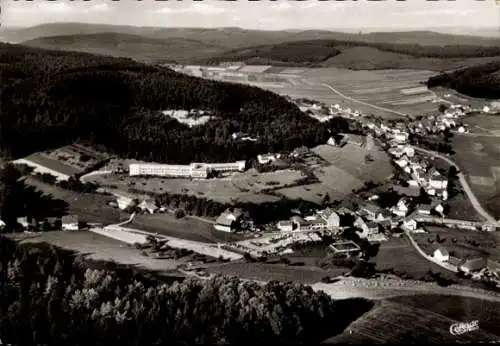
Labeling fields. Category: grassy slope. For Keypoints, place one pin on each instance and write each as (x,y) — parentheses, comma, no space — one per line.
(422,318)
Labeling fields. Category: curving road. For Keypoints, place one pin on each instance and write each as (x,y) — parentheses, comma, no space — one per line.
(363,102)
(463,181)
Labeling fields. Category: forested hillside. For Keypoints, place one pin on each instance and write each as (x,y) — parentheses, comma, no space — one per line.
(50,98)
(476,81)
(49,297)
(313,52)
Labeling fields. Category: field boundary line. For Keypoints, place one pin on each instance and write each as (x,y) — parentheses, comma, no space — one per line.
(362,102)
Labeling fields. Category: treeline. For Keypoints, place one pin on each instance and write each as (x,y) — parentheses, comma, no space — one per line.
(17,199)
(50,297)
(315,51)
(476,81)
(117,102)
(261,213)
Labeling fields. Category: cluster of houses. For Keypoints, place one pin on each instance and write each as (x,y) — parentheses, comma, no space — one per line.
(147,205)
(65,223)
(477,267)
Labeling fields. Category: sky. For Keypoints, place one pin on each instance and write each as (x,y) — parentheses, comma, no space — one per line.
(263,15)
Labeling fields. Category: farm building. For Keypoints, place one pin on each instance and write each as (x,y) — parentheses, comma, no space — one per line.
(229,220)
(424,209)
(301,224)
(70,223)
(441,254)
(410,224)
(348,247)
(331,217)
(44,165)
(473,265)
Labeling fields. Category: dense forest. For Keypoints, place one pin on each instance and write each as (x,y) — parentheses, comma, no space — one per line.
(51,297)
(51,98)
(315,51)
(476,81)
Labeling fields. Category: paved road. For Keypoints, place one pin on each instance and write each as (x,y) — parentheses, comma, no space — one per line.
(363,102)
(475,134)
(429,258)
(463,181)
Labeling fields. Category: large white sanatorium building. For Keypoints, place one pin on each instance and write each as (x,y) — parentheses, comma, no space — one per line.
(194,170)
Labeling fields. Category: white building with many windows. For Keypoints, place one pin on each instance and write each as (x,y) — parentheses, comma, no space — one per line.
(194,170)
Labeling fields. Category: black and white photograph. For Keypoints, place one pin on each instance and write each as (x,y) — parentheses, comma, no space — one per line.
(249,172)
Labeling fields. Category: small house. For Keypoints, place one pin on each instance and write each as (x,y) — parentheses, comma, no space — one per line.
(23,221)
(331,217)
(424,209)
(69,223)
(331,141)
(229,220)
(265,159)
(125,202)
(441,254)
(439,208)
(410,225)
(148,205)
(473,265)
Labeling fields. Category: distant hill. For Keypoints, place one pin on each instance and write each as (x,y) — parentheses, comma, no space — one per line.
(361,55)
(412,49)
(236,37)
(130,46)
(476,81)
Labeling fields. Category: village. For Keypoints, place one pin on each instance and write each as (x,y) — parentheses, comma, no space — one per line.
(416,199)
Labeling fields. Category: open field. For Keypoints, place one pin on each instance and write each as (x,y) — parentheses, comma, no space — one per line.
(399,254)
(247,186)
(482,123)
(186,228)
(487,242)
(422,319)
(381,87)
(98,247)
(280,272)
(348,170)
(90,207)
(479,159)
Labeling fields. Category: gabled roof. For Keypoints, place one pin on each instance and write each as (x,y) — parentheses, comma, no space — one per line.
(223,220)
(474,264)
(69,219)
(443,251)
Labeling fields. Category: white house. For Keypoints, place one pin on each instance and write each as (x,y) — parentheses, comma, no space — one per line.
(23,221)
(410,225)
(403,205)
(437,181)
(441,254)
(402,162)
(331,217)
(331,141)
(439,208)
(70,223)
(486,109)
(267,158)
(124,202)
(229,220)
(409,151)
(285,225)
(401,137)
(2,224)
